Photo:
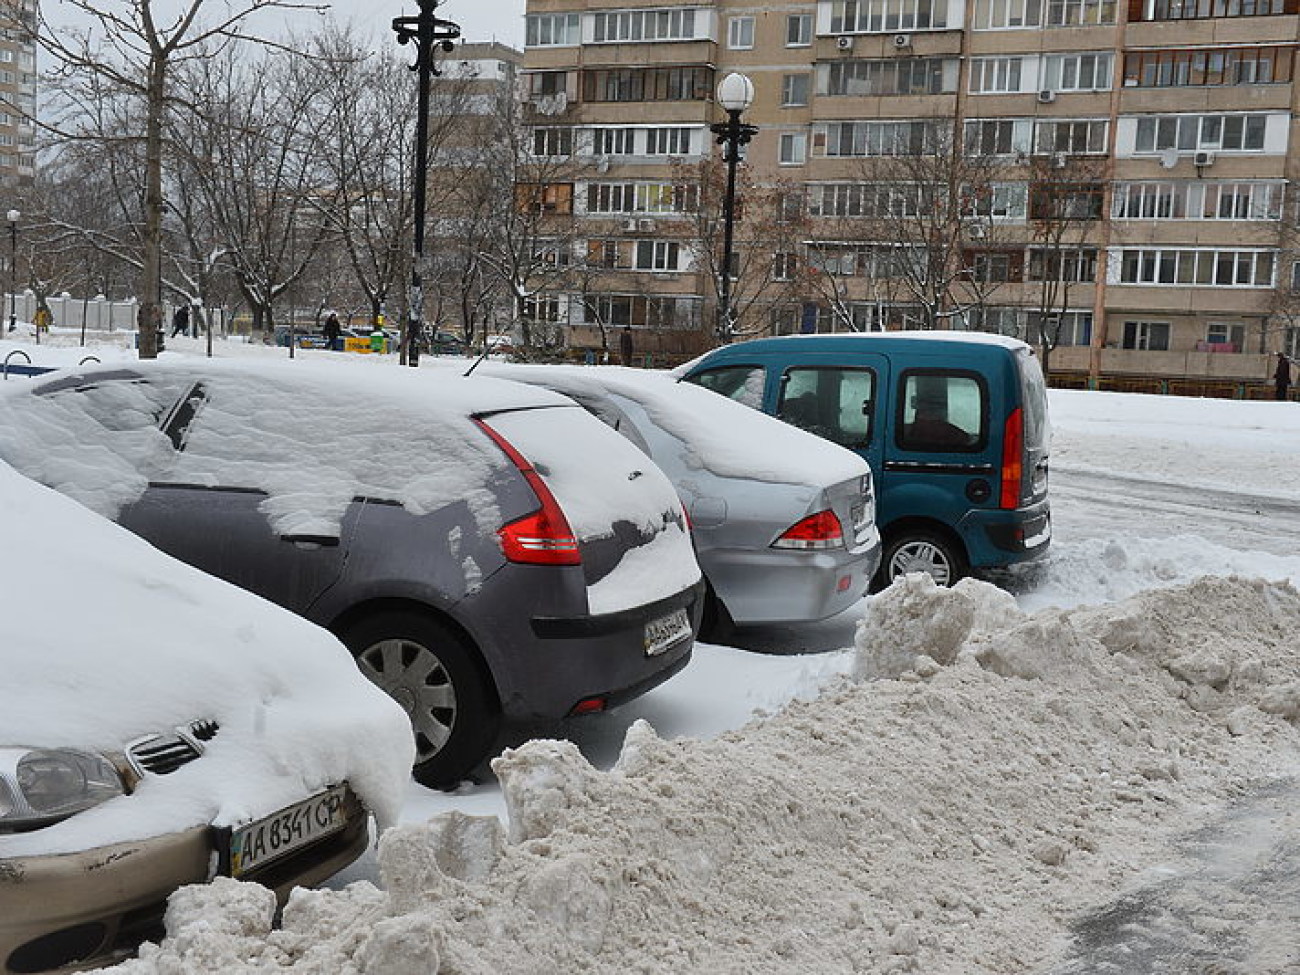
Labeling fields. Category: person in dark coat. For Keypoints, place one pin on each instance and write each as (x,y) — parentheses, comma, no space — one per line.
(181,321)
(331,330)
(625,348)
(1282,377)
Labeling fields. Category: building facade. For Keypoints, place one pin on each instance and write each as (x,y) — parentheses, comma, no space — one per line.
(1118,175)
(17,92)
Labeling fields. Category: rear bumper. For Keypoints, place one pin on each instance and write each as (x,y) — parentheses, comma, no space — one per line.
(573,659)
(997,538)
(783,586)
(63,912)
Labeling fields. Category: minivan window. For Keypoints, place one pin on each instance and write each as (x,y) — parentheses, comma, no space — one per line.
(834,403)
(744,384)
(942,411)
(1038,431)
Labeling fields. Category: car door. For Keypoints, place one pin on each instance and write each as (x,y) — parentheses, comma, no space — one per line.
(839,398)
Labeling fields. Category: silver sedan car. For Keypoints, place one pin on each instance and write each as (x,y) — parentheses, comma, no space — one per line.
(783,521)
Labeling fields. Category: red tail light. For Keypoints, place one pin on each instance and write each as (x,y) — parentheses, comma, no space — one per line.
(1013,453)
(543,537)
(818,531)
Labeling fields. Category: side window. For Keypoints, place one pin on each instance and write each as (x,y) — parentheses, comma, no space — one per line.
(744,384)
(942,411)
(837,404)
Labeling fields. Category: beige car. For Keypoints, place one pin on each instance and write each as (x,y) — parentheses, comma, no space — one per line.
(158,728)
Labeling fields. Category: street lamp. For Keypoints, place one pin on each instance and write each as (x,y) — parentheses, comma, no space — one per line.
(735,94)
(428,32)
(13,270)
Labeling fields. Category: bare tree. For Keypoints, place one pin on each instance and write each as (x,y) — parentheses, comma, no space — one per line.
(129,55)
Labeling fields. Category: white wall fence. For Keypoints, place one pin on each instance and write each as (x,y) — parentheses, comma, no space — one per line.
(95,314)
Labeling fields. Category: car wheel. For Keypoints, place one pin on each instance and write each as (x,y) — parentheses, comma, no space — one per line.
(716,624)
(439,681)
(923,551)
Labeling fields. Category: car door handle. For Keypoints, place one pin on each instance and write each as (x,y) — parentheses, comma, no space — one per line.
(311,541)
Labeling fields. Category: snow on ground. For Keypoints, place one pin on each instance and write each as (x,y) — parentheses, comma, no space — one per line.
(946,795)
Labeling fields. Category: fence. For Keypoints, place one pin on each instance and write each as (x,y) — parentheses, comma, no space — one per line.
(94,314)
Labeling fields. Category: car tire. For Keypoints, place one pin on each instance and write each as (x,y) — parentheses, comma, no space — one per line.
(439,680)
(922,550)
(716,624)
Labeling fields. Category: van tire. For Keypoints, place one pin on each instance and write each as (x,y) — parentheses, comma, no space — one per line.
(407,654)
(922,550)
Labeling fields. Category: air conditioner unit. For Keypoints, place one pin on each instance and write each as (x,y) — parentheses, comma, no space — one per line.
(977,231)
(1203,158)
(844,43)
(645,226)
(629,226)
(1060,160)
(1046,96)
(902,40)
(602,164)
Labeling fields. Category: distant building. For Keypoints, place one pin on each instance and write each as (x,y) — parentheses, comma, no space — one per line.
(17,92)
(1171,122)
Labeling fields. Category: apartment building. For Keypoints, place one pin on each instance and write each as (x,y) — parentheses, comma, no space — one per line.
(17,92)
(1160,131)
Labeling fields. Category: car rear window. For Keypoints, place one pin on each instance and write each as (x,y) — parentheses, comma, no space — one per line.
(1038,429)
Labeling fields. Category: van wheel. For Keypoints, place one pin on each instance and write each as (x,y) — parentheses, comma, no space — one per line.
(439,681)
(923,551)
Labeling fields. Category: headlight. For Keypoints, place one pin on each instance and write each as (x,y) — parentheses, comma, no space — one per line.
(42,786)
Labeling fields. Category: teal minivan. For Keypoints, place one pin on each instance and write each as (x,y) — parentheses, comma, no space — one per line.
(954,425)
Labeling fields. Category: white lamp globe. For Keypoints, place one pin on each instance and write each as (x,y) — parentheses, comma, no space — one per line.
(735,92)
(13,216)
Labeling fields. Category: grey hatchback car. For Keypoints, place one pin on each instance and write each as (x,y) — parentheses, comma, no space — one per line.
(485,549)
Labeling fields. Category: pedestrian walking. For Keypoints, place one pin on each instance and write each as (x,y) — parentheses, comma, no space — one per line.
(1282,377)
(181,321)
(332,331)
(625,346)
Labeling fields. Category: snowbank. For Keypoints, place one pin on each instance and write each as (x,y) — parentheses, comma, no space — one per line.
(988,774)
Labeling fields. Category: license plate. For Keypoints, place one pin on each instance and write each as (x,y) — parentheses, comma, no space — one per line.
(288,830)
(662,633)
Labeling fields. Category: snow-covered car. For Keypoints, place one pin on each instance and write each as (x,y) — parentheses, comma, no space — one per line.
(783,521)
(487,550)
(159,727)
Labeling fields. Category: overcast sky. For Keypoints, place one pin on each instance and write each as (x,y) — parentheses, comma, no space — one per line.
(480,20)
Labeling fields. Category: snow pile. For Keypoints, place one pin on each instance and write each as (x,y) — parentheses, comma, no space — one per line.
(1000,772)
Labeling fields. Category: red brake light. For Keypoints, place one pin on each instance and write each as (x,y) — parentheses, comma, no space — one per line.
(1013,452)
(818,531)
(543,537)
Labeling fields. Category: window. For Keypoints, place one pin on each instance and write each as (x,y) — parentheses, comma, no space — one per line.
(657,255)
(798,30)
(1242,133)
(647,84)
(1001,14)
(997,201)
(1188,266)
(989,75)
(553,142)
(544,308)
(552,30)
(1072,265)
(1225,336)
(623,197)
(673,141)
(740,33)
(793,149)
(744,384)
(834,403)
(1071,136)
(1068,328)
(883,16)
(992,266)
(543,84)
(998,137)
(871,200)
(1201,9)
(1198,200)
(612,26)
(1078,72)
(903,138)
(612,142)
(544,197)
(1209,66)
(783,266)
(941,411)
(641,311)
(1065,201)
(1146,336)
(897,76)
(794,89)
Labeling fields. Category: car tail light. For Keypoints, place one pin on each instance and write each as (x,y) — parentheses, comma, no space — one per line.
(1013,452)
(818,531)
(543,537)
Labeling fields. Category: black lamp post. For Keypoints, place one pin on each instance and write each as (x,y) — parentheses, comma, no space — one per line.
(735,94)
(428,32)
(13,216)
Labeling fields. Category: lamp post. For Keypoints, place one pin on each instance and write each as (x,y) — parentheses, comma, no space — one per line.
(428,32)
(13,271)
(735,94)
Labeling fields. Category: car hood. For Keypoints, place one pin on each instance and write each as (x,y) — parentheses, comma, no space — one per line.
(107,639)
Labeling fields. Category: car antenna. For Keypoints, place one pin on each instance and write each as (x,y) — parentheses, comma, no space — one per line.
(496,340)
